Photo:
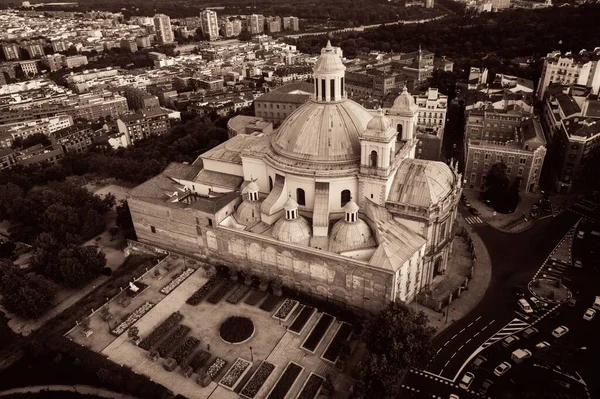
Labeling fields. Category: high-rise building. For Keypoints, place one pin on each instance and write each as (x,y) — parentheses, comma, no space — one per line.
(257,24)
(430,125)
(291,23)
(237,27)
(11,51)
(33,49)
(228,29)
(59,46)
(569,69)
(431,4)
(209,24)
(162,25)
(274,24)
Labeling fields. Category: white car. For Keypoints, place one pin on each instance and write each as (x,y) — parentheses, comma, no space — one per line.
(537,303)
(508,341)
(560,331)
(502,369)
(466,381)
(580,234)
(578,263)
(542,345)
(589,314)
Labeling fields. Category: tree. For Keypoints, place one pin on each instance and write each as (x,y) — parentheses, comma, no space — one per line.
(60,220)
(93,224)
(398,338)
(245,35)
(503,196)
(27,295)
(79,265)
(30,141)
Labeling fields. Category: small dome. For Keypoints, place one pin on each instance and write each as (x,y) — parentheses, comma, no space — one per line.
(329,62)
(351,207)
(248,212)
(405,103)
(251,187)
(422,183)
(290,204)
(380,126)
(347,236)
(297,231)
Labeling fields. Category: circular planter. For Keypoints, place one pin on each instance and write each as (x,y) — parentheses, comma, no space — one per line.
(562,293)
(236,330)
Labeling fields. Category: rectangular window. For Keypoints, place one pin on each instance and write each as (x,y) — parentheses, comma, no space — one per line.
(473,177)
(476,155)
(209,222)
(323,97)
(332,88)
(342,88)
(153,229)
(522,161)
(487,156)
(498,158)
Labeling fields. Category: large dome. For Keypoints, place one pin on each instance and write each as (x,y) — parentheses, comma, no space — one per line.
(323,132)
(422,183)
(297,231)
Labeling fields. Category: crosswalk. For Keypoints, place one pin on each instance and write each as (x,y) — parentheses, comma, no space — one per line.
(511,328)
(474,220)
(585,217)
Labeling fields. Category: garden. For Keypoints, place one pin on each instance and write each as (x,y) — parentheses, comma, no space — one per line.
(257,380)
(318,332)
(285,382)
(235,374)
(236,329)
(301,319)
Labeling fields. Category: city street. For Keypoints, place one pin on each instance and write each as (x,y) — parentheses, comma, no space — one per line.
(516,259)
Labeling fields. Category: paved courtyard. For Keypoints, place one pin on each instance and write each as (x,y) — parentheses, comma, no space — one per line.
(271,340)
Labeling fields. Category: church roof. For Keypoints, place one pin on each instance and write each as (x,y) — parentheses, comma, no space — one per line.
(323,132)
(380,127)
(351,207)
(421,183)
(329,61)
(297,231)
(405,103)
(348,236)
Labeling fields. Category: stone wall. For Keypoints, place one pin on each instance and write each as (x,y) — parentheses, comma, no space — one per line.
(330,276)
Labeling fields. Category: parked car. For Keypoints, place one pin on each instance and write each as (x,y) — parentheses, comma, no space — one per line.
(524,305)
(466,381)
(536,303)
(467,203)
(589,314)
(474,211)
(510,340)
(478,362)
(485,387)
(529,332)
(560,331)
(578,263)
(572,302)
(453,396)
(542,345)
(519,355)
(502,369)
(580,234)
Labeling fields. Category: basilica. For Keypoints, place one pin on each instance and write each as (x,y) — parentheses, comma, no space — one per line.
(332,203)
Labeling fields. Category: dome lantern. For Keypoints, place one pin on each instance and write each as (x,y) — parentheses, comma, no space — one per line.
(291,209)
(328,75)
(251,191)
(351,211)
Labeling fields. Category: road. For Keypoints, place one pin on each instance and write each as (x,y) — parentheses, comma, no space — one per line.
(516,258)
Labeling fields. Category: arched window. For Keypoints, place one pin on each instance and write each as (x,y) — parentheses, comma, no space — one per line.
(270,183)
(399,129)
(374,158)
(300,198)
(346,196)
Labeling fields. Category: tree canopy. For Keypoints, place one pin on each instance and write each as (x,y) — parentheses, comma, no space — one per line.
(27,295)
(397,339)
(500,191)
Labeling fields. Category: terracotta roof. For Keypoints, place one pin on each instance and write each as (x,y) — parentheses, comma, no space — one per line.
(213,178)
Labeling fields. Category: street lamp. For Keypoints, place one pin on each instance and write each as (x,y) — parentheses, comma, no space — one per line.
(251,355)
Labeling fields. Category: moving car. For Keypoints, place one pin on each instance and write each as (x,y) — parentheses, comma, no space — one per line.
(542,345)
(485,386)
(519,355)
(560,331)
(453,396)
(502,369)
(474,211)
(596,304)
(578,263)
(536,303)
(580,234)
(478,362)
(508,341)
(589,314)
(529,332)
(524,305)
(466,381)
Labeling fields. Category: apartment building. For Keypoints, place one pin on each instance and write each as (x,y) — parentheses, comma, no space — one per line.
(140,99)
(431,122)
(141,125)
(11,51)
(278,104)
(570,69)
(291,23)
(73,139)
(210,24)
(257,24)
(162,26)
(571,120)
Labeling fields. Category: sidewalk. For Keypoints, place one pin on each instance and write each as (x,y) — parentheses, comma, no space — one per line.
(499,220)
(80,389)
(469,298)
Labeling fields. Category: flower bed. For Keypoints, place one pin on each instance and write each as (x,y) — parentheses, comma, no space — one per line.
(285,310)
(285,382)
(269,304)
(311,387)
(235,374)
(254,298)
(177,280)
(238,294)
(220,293)
(199,295)
(257,380)
(236,329)
(335,346)
(173,340)
(183,351)
(199,359)
(141,287)
(301,320)
(316,335)
(215,368)
(132,318)
(160,331)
